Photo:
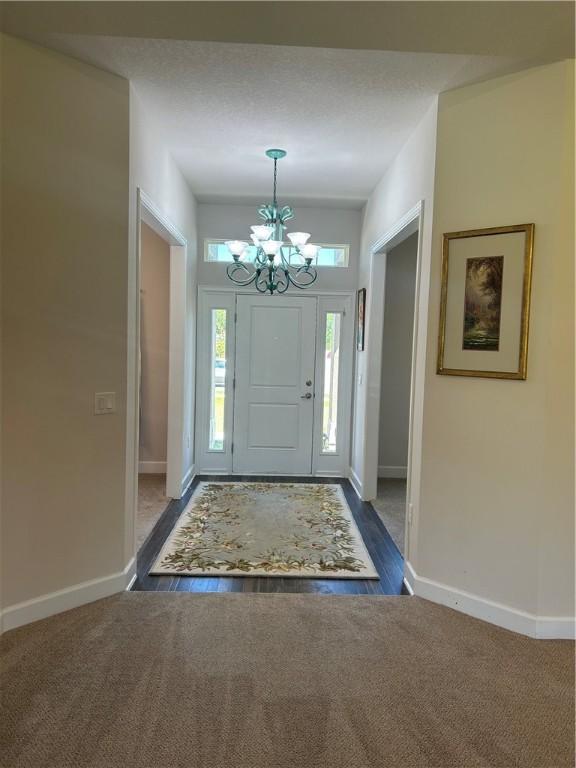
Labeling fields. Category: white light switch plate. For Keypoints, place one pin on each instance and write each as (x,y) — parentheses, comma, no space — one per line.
(104,402)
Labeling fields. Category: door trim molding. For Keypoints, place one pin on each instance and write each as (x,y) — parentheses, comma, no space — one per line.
(205,291)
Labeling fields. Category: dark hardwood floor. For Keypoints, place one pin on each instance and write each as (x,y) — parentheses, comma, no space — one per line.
(387,559)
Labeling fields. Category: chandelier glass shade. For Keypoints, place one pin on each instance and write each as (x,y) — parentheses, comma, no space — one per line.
(277,265)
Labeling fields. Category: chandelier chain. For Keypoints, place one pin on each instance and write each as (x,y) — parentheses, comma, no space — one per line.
(275,177)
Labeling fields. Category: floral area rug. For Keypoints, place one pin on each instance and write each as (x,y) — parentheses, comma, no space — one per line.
(266,529)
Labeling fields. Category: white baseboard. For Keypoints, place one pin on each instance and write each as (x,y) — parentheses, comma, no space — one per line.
(542,627)
(355,482)
(152,467)
(555,628)
(131,574)
(188,477)
(66,599)
(384,471)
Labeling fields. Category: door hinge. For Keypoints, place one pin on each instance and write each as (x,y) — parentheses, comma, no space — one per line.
(234,383)
(235,316)
(232,447)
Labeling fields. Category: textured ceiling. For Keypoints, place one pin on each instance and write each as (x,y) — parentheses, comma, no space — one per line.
(341,114)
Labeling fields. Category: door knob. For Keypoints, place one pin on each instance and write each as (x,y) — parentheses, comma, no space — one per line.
(309,383)
(307,396)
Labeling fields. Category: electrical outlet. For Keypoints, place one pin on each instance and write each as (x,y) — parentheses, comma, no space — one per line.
(104,402)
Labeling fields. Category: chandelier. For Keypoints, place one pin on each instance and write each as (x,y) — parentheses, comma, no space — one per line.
(277,264)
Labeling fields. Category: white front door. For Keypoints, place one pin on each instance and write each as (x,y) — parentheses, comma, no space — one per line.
(274,389)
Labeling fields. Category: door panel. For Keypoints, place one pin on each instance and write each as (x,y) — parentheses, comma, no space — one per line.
(275,358)
(275,340)
(284,419)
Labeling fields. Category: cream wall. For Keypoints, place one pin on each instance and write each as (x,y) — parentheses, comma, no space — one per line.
(69,247)
(397,356)
(65,133)
(493,515)
(154,345)
(497,506)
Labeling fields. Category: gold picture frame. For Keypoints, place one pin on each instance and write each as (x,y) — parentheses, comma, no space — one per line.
(485,302)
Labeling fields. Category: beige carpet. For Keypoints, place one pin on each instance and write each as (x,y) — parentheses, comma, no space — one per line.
(146,680)
(152,501)
(266,529)
(390,504)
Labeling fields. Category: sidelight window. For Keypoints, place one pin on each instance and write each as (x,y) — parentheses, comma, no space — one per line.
(217,379)
(331,376)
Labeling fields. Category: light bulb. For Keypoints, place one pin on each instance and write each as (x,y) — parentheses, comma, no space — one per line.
(263,231)
(271,247)
(298,238)
(237,247)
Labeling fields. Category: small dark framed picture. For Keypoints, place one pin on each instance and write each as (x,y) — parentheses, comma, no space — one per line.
(485,302)
(361,319)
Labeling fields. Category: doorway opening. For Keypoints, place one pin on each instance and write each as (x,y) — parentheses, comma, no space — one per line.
(412,223)
(154,371)
(160,431)
(395,386)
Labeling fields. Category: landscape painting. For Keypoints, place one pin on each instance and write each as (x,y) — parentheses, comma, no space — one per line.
(481,308)
(482,303)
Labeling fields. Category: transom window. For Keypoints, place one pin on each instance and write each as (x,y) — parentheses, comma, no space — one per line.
(329,255)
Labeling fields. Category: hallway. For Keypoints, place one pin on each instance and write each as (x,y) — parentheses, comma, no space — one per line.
(260,263)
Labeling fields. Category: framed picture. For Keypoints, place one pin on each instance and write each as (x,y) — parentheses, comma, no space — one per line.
(485,302)
(361,319)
